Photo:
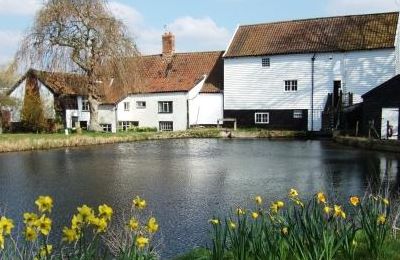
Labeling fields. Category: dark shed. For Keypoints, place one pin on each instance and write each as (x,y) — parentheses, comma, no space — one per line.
(381,107)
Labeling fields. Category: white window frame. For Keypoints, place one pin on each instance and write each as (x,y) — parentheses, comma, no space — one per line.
(165,107)
(265,62)
(127,106)
(291,85)
(85,105)
(166,126)
(260,119)
(126,125)
(141,104)
(107,128)
(298,114)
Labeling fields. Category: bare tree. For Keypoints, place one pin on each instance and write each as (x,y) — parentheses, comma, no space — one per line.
(80,36)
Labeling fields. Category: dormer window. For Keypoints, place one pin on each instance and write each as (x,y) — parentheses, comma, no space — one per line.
(266,62)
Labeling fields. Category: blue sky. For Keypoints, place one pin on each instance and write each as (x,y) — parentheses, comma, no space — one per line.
(198,24)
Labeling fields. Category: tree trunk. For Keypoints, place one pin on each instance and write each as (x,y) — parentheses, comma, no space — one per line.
(94,114)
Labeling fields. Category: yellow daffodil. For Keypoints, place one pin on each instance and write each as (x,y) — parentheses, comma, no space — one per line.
(258,200)
(99,223)
(274,208)
(240,211)
(355,201)
(105,211)
(152,225)
(293,193)
(44,203)
(321,198)
(77,221)
(285,231)
(254,215)
(6,225)
(231,224)
(44,225)
(338,212)
(30,218)
(139,203)
(280,204)
(381,219)
(1,242)
(385,201)
(133,224)
(214,221)
(70,235)
(327,210)
(30,234)
(298,202)
(141,242)
(45,251)
(86,213)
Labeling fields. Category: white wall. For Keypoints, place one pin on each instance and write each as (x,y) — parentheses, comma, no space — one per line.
(248,85)
(46,96)
(149,117)
(18,94)
(107,115)
(206,109)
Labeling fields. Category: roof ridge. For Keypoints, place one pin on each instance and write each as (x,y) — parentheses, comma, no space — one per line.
(317,18)
(185,53)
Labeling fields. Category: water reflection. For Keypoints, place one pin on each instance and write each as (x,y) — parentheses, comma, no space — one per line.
(188,181)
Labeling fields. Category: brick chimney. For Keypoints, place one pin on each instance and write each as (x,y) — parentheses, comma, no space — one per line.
(168,44)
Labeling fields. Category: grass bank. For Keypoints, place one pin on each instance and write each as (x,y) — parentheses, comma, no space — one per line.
(28,142)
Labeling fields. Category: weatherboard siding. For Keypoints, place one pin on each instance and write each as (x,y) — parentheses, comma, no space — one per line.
(249,86)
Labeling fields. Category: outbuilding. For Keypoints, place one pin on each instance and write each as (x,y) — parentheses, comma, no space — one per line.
(381,110)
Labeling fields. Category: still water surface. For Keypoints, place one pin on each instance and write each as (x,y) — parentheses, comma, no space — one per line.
(186,182)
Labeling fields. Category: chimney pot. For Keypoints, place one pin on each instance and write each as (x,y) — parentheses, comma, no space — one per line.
(168,44)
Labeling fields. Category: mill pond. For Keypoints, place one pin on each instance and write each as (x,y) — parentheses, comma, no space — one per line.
(186,182)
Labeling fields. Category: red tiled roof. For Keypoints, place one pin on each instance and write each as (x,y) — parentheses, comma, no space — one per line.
(158,74)
(181,72)
(343,33)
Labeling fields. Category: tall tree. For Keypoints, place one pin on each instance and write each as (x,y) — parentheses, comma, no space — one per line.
(80,36)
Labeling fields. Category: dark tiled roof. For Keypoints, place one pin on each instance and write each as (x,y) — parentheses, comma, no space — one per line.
(395,81)
(343,33)
(181,72)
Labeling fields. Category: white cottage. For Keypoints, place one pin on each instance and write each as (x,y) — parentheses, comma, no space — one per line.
(178,91)
(63,99)
(289,75)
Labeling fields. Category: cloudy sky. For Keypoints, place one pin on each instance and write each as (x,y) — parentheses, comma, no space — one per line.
(198,24)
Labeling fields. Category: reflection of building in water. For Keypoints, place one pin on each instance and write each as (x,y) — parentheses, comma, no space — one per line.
(389,172)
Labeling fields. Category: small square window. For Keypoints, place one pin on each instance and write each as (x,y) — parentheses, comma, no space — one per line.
(140,104)
(127,106)
(106,127)
(261,118)
(297,114)
(85,105)
(126,125)
(165,107)
(166,126)
(290,85)
(266,62)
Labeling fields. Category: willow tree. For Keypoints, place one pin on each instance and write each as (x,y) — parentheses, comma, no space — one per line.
(80,36)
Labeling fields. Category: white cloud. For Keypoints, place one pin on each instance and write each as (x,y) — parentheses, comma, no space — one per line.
(339,7)
(19,7)
(192,34)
